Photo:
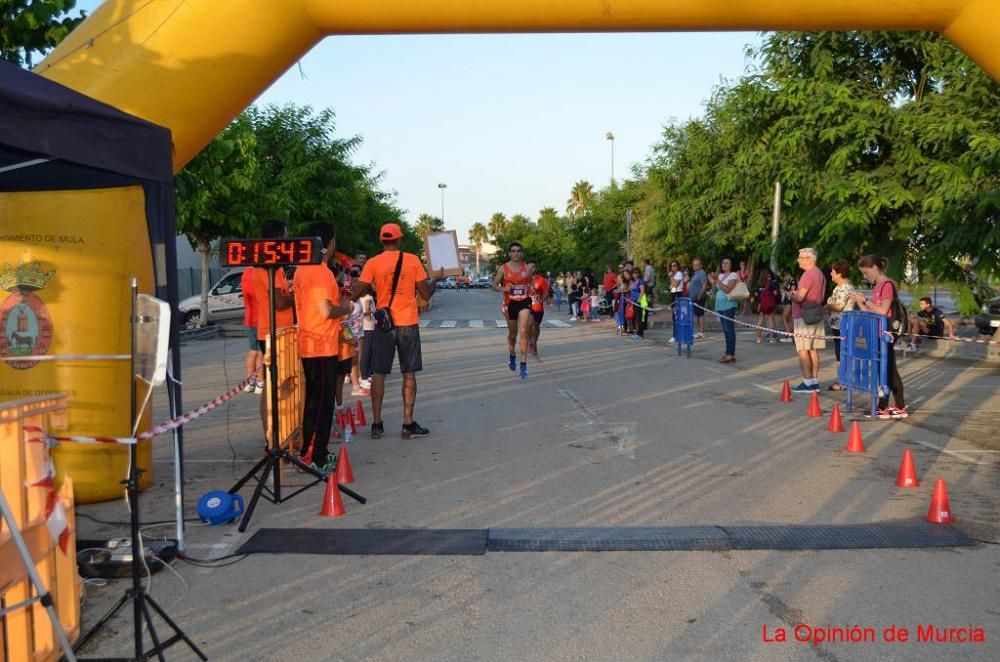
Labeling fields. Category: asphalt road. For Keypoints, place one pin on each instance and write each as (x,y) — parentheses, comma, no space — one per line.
(605,432)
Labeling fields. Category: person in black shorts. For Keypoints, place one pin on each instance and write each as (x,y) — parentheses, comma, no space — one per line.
(929,321)
(540,292)
(514,281)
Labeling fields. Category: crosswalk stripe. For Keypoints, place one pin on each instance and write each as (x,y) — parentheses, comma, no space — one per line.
(448,324)
(559,324)
(424,324)
(476,324)
(501,324)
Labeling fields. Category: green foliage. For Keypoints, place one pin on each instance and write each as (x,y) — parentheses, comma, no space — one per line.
(29,27)
(427,224)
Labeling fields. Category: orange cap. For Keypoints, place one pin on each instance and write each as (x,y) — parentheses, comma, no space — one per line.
(390,231)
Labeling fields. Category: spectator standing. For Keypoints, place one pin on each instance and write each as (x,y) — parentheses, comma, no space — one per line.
(676,290)
(884,292)
(610,284)
(378,276)
(698,292)
(788,286)
(840,301)
(255,357)
(649,279)
(724,283)
(768,294)
(807,319)
(745,274)
(637,295)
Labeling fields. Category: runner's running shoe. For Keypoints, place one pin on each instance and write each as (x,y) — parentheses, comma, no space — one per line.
(377,431)
(805,388)
(414,430)
(512,364)
(881,414)
(524,371)
(899,412)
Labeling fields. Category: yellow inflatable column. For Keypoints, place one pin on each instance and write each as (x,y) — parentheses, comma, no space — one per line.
(65,265)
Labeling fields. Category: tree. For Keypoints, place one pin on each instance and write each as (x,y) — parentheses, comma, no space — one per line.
(580,199)
(497,226)
(427,224)
(29,27)
(478,235)
(216,194)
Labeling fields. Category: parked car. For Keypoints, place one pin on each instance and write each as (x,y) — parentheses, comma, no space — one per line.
(225,302)
(483,283)
(988,320)
(446,284)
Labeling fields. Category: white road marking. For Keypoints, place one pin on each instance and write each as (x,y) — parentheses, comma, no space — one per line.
(619,433)
(954,454)
(475,324)
(501,324)
(766,388)
(448,324)
(559,324)
(424,324)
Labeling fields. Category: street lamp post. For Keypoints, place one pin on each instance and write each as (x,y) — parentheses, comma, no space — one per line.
(611,138)
(442,187)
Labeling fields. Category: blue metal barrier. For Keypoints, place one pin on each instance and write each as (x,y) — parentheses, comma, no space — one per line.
(864,356)
(683,324)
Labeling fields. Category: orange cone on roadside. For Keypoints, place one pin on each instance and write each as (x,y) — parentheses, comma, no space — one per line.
(854,442)
(835,424)
(361,413)
(786,392)
(907,472)
(332,505)
(814,411)
(340,418)
(306,455)
(940,511)
(344,473)
(350,421)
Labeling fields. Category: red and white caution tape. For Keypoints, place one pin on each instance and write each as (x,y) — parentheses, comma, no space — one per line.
(764,328)
(957,339)
(163,428)
(56,520)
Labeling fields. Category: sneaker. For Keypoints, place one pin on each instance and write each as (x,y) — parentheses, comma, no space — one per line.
(250,387)
(259,389)
(672,340)
(911,348)
(524,371)
(805,388)
(785,339)
(881,414)
(414,430)
(377,431)
(635,336)
(360,392)
(899,412)
(699,335)
(512,363)
(366,384)
(327,466)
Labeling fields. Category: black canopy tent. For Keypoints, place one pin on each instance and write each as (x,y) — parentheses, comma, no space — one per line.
(55,139)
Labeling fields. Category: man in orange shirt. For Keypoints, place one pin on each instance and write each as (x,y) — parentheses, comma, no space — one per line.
(377,277)
(540,292)
(254,360)
(318,309)
(284,316)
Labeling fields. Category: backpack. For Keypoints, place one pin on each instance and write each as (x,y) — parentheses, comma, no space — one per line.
(899,319)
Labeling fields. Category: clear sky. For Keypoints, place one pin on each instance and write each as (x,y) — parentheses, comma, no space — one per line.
(508,122)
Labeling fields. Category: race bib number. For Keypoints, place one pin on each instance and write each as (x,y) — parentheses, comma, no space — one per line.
(518,291)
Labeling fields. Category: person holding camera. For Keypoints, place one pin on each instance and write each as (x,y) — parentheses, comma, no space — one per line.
(395,278)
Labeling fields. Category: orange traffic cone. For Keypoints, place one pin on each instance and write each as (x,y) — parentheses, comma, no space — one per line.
(332,505)
(940,512)
(786,392)
(350,421)
(814,410)
(360,413)
(306,455)
(835,424)
(344,473)
(340,417)
(907,473)
(854,441)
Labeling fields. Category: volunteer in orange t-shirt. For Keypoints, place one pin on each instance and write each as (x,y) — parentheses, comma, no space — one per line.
(254,359)
(377,277)
(318,310)
(539,292)
(284,316)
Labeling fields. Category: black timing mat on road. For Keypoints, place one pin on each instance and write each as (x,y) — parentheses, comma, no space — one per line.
(472,542)
(462,542)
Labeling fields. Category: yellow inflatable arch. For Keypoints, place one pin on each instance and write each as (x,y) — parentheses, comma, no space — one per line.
(193,65)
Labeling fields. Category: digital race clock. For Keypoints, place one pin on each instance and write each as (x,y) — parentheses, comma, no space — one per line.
(271,252)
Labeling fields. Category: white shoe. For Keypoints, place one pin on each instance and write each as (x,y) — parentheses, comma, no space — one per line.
(259,389)
(366,384)
(249,388)
(672,339)
(699,335)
